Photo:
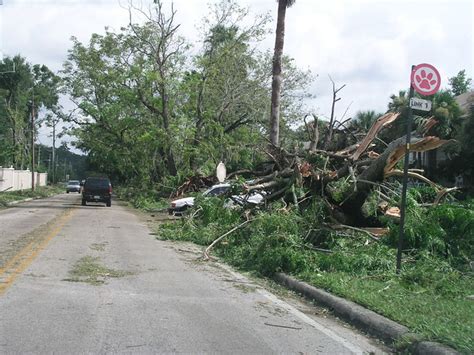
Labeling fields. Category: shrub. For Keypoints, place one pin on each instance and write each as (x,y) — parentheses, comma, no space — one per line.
(445,231)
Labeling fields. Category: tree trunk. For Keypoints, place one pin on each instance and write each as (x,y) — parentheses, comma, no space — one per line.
(199,123)
(170,162)
(14,150)
(276,73)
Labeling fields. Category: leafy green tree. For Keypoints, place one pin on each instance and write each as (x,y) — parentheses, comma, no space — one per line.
(158,44)
(230,87)
(25,91)
(125,86)
(234,90)
(110,123)
(460,83)
(148,110)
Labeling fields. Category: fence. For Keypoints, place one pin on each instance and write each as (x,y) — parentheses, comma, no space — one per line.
(12,180)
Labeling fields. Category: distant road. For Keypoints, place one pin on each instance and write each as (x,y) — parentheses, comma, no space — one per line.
(93,279)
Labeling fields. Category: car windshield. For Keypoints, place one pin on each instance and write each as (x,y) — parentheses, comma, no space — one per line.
(73,182)
(216,190)
(97,183)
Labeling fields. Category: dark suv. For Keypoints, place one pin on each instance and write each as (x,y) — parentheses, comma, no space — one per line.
(97,189)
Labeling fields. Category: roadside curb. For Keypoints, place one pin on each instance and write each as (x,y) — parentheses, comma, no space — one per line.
(365,319)
(18,201)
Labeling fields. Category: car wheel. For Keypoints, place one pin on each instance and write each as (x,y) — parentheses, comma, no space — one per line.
(83,202)
(67,192)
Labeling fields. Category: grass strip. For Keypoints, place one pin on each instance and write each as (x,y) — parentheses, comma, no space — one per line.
(40,192)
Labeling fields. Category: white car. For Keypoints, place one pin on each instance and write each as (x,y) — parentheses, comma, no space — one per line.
(73,186)
(179,206)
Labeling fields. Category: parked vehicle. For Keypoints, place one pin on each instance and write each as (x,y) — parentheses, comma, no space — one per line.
(97,189)
(73,186)
(179,206)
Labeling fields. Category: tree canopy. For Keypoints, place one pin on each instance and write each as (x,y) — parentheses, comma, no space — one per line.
(149,109)
(24,92)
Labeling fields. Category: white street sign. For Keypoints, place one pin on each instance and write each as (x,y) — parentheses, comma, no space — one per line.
(420,104)
(221,172)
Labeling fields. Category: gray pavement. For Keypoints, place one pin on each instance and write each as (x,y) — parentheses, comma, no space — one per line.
(150,296)
(26,217)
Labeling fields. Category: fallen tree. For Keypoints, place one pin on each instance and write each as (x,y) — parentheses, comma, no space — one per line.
(363,164)
(342,179)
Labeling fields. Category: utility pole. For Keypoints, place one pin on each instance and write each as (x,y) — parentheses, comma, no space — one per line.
(33,143)
(54,152)
(49,166)
(39,158)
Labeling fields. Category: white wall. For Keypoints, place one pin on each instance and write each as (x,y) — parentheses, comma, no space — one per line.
(13,180)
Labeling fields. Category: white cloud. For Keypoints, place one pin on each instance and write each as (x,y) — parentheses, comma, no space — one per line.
(367,44)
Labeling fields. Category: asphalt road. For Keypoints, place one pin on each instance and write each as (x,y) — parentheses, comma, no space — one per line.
(94,279)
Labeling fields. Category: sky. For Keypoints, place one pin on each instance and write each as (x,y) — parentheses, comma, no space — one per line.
(368,45)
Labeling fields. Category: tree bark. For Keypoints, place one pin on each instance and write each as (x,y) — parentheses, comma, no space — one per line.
(170,162)
(277,76)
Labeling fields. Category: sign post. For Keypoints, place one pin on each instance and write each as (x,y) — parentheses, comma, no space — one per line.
(425,79)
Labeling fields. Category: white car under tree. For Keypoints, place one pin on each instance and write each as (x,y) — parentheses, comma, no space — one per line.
(179,206)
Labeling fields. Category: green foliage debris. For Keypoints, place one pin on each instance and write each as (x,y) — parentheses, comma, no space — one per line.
(430,296)
(89,270)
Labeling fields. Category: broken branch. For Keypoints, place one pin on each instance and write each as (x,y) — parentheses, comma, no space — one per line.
(374,130)
(413,175)
(422,145)
(206,252)
(364,231)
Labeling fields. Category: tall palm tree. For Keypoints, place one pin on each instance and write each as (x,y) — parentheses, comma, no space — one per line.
(276,72)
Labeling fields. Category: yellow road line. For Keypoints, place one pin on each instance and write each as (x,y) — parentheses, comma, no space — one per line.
(13,274)
(23,251)
(13,260)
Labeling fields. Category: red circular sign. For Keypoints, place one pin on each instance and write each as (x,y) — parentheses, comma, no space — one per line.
(425,79)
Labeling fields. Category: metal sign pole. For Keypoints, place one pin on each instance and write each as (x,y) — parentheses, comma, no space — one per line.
(405,181)
(33,144)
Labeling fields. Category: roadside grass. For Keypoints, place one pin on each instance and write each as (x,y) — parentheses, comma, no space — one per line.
(149,201)
(89,270)
(40,192)
(430,296)
(447,318)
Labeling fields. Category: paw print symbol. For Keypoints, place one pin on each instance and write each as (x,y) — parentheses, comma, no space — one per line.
(425,81)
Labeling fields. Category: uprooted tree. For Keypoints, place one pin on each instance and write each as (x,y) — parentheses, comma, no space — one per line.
(343,179)
(362,166)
